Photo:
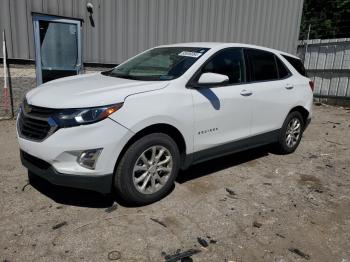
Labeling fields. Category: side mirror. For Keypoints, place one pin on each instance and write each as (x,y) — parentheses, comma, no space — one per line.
(212,79)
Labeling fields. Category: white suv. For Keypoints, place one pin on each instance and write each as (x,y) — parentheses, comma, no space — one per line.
(132,128)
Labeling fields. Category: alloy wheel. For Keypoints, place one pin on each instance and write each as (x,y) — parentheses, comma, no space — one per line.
(293,132)
(152,169)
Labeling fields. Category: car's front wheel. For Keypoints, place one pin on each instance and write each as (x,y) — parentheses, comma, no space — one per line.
(291,133)
(147,170)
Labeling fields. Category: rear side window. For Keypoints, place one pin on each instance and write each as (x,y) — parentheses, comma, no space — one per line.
(297,64)
(261,65)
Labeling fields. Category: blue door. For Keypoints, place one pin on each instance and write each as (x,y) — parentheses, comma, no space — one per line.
(57,47)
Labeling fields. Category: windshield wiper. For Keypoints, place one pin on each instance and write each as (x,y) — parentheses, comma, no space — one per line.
(111,74)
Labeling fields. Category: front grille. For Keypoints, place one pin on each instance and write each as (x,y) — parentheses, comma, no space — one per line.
(35,161)
(41,112)
(33,122)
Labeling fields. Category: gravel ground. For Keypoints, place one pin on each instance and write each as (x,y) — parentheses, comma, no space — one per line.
(251,206)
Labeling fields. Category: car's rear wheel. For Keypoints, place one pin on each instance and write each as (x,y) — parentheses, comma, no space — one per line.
(291,133)
(147,170)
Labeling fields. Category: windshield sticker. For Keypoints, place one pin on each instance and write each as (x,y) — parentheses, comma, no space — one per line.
(190,54)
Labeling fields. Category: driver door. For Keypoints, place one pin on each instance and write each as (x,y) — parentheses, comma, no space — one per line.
(222,112)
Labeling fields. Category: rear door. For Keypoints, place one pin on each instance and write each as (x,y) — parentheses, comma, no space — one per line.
(272,88)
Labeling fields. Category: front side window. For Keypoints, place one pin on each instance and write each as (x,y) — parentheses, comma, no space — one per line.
(163,63)
(229,62)
(261,65)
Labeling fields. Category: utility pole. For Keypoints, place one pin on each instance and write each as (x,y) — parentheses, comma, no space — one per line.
(307,41)
(7,92)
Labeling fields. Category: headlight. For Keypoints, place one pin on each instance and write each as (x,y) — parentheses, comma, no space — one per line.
(75,117)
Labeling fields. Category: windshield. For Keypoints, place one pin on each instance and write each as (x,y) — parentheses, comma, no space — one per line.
(164,63)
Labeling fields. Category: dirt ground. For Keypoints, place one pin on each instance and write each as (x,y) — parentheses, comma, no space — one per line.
(250,206)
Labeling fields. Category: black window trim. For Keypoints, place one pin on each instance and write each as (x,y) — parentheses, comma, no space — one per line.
(292,57)
(192,84)
(276,57)
(278,72)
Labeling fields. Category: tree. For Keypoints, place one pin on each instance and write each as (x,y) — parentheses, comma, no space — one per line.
(328,19)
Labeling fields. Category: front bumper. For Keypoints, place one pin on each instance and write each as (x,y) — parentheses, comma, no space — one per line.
(101,183)
(59,149)
(59,162)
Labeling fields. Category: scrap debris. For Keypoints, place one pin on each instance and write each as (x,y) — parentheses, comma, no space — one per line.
(280,235)
(111,208)
(312,156)
(64,223)
(202,242)
(329,141)
(114,255)
(24,187)
(181,256)
(158,221)
(205,243)
(299,253)
(257,224)
(231,193)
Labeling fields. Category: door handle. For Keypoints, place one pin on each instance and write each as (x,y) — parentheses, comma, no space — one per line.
(289,87)
(245,92)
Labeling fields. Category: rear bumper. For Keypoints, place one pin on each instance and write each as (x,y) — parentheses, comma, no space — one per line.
(98,183)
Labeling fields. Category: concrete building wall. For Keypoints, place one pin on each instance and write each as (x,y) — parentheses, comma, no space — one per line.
(125,27)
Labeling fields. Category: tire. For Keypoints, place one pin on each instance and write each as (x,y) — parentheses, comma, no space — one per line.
(285,145)
(133,171)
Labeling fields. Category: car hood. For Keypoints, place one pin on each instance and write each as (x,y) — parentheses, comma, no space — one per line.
(88,90)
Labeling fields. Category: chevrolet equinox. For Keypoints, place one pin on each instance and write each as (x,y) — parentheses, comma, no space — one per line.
(132,128)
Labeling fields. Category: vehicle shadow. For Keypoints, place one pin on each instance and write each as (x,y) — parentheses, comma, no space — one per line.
(211,96)
(70,196)
(91,199)
(211,166)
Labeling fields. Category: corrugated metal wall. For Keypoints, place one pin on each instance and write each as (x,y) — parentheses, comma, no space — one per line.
(126,27)
(327,62)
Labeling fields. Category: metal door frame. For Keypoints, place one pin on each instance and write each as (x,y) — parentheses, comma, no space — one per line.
(52,18)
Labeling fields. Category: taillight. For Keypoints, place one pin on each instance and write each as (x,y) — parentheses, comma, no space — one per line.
(312,85)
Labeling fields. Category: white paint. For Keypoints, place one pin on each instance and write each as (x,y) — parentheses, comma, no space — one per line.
(223,109)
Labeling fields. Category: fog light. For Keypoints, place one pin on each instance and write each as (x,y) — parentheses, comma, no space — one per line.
(88,158)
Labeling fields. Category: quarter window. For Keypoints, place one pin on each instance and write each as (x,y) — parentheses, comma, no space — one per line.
(261,65)
(229,62)
(297,64)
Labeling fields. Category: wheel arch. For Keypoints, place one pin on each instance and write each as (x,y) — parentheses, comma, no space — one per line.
(302,110)
(164,128)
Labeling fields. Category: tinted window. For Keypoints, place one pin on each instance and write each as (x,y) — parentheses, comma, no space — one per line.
(282,69)
(262,65)
(229,62)
(297,64)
